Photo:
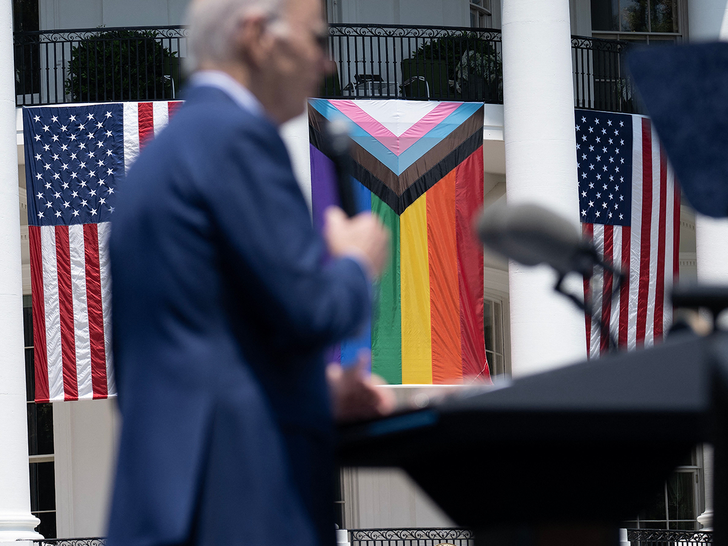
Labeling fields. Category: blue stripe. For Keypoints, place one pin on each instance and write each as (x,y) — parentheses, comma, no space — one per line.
(362,195)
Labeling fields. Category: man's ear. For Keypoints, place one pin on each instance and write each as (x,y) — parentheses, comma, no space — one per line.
(252,40)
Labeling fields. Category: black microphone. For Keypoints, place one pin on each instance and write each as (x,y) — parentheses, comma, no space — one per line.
(338,148)
(532,235)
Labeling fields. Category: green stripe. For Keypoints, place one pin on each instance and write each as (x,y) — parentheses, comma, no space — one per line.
(387,320)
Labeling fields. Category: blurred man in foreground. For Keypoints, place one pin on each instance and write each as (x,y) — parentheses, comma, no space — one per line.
(224,300)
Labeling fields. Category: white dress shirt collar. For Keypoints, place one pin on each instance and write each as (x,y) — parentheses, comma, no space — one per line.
(230,86)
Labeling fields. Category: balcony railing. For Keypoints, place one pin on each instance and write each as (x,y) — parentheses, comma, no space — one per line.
(397,62)
(371,62)
(98,65)
(411,537)
(600,78)
(663,537)
(456,537)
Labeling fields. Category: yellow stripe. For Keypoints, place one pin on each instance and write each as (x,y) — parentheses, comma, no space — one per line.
(415,279)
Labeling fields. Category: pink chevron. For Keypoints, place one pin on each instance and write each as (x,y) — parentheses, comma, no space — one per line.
(395,144)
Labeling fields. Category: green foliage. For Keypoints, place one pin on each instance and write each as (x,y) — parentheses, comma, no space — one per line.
(120,65)
(452,49)
(474,66)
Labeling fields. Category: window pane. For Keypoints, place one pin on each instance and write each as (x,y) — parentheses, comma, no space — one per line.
(498,327)
(29,375)
(42,487)
(605,14)
(488,324)
(657,509)
(40,429)
(27,326)
(681,495)
(663,15)
(634,15)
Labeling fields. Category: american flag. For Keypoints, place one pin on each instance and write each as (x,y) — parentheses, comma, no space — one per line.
(75,157)
(630,205)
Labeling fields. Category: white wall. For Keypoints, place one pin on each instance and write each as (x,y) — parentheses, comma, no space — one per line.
(388,498)
(580,11)
(85,441)
(402,12)
(70,14)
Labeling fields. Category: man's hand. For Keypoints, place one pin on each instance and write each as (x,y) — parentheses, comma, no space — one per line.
(363,237)
(355,393)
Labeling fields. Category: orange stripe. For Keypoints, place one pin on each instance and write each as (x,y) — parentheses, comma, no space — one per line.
(444,285)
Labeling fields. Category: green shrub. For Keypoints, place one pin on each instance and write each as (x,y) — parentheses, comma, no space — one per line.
(120,65)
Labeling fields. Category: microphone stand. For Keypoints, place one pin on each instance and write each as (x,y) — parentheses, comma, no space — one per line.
(584,261)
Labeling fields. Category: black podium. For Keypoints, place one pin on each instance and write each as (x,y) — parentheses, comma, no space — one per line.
(560,457)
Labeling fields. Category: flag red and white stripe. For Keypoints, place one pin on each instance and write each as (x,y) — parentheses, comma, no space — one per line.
(69,225)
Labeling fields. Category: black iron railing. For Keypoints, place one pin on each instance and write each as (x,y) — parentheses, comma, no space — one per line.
(96,541)
(393,61)
(600,78)
(662,537)
(98,65)
(371,62)
(410,537)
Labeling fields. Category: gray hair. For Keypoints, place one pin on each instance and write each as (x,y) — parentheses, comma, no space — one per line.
(214,23)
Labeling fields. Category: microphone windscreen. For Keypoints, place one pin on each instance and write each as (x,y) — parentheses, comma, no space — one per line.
(530,234)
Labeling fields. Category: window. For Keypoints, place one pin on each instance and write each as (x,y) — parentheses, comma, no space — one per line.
(480,13)
(645,21)
(40,440)
(679,503)
(27,47)
(494,336)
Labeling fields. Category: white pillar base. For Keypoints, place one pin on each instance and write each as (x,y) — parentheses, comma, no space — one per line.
(342,537)
(18,527)
(706,520)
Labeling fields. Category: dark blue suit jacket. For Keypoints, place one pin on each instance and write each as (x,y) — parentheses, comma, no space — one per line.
(222,305)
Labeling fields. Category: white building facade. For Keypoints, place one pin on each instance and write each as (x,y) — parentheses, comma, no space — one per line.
(63,474)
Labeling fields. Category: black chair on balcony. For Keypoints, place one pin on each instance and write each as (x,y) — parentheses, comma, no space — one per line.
(370,86)
(416,87)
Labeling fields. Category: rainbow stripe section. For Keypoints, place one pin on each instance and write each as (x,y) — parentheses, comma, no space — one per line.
(427,325)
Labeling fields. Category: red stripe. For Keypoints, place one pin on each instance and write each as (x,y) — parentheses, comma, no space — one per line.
(95,310)
(444,294)
(606,290)
(65,308)
(172,107)
(146,123)
(588,233)
(644,280)
(624,290)
(468,200)
(660,273)
(42,392)
(676,235)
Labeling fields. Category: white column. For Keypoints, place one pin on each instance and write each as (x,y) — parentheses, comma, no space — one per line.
(708,20)
(16,520)
(706,518)
(547,331)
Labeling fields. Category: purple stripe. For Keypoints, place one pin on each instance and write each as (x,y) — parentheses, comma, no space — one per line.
(323,186)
